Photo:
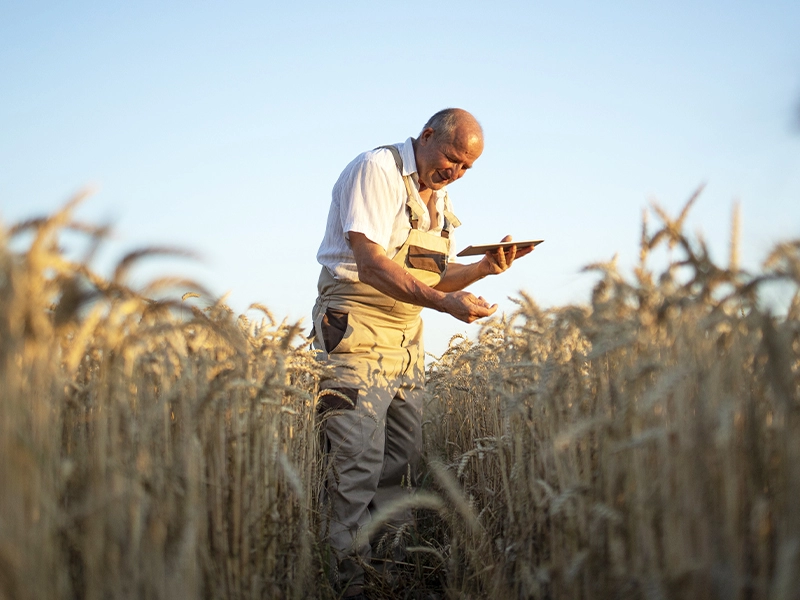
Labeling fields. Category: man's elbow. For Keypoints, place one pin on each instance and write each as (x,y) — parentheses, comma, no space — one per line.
(367,272)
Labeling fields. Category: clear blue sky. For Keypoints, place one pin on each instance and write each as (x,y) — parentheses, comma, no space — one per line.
(222,126)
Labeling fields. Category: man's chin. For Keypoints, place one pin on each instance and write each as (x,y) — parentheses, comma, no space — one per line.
(433,185)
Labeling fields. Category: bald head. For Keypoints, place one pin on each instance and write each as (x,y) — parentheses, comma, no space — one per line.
(450,142)
(452,123)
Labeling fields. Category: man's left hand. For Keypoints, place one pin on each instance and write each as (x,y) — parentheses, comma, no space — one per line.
(500,260)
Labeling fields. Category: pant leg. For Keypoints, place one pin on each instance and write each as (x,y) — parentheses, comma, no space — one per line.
(403,444)
(365,366)
(354,458)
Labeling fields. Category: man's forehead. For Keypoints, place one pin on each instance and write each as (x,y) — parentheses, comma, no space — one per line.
(466,142)
(462,137)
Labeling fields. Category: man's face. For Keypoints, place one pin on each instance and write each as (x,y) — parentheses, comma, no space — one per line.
(441,160)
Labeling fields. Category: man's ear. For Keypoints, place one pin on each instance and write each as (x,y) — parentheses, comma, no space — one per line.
(426,135)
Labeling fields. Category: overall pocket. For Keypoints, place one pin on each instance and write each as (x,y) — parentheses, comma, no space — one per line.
(425,259)
(334,327)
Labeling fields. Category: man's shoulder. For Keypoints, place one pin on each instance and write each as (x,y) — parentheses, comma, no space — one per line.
(380,156)
(376,160)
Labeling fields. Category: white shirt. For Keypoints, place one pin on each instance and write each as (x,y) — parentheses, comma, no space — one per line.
(370,198)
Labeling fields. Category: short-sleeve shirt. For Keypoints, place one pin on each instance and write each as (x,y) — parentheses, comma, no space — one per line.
(370,198)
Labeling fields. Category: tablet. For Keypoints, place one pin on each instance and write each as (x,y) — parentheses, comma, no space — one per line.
(484,248)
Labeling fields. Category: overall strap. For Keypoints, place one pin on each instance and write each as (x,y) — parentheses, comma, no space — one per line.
(414,211)
(450,220)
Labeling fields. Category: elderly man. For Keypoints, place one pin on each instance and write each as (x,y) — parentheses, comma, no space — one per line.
(387,253)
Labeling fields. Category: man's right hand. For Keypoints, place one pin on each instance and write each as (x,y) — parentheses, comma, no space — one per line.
(467,307)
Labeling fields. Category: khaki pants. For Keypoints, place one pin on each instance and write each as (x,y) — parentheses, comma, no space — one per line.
(372,415)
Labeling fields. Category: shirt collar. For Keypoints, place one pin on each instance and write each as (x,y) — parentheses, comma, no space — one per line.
(407,154)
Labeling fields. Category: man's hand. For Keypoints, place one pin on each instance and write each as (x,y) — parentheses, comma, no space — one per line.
(500,260)
(467,307)
(459,276)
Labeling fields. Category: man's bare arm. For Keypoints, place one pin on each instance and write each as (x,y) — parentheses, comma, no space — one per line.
(460,276)
(379,271)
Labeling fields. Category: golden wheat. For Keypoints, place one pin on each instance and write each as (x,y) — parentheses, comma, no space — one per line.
(646,445)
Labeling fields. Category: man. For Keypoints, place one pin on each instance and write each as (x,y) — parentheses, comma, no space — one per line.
(387,253)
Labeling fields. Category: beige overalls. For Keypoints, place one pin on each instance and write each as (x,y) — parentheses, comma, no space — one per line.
(372,415)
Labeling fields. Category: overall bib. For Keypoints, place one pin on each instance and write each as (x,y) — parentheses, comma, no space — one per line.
(372,411)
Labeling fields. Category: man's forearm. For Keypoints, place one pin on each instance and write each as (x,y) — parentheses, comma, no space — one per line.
(388,277)
(377,270)
(458,276)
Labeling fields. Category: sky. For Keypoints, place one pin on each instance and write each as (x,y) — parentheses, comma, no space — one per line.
(222,127)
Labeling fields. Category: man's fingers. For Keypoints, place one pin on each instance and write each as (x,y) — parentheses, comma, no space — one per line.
(508,258)
(481,301)
(501,258)
(481,312)
(517,252)
(485,309)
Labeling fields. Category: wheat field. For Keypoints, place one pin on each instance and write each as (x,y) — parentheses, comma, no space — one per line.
(643,445)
